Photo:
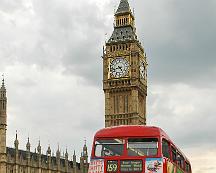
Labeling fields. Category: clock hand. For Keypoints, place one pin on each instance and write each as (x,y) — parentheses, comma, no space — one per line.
(119,67)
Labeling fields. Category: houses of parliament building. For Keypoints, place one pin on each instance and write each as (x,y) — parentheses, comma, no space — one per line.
(125,90)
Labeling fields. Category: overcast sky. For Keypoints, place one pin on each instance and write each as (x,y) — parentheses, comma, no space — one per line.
(50,53)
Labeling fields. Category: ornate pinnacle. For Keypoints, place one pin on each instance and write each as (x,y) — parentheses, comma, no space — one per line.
(66,153)
(39,147)
(49,150)
(3,82)
(16,142)
(28,145)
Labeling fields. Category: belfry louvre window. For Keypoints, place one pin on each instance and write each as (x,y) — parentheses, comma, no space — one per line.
(126,104)
(114,103)
(117,104)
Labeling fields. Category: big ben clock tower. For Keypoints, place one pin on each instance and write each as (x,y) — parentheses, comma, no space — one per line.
(124,72)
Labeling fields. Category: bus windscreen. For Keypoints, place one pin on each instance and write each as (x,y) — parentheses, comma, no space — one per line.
(142,146)
(109,147)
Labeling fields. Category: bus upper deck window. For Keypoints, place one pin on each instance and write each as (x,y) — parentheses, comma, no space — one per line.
(174,157)
(165,148)
(142,146)
(187,167)
(180,160)
(109,147)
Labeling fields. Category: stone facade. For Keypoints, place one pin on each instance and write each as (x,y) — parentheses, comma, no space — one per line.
(14,160)
(124,72)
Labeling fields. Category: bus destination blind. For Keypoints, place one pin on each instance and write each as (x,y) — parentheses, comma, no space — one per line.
(131,166)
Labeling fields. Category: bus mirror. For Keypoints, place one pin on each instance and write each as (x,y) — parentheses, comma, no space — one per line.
(98,149)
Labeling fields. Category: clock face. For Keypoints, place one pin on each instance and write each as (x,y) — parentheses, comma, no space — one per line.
(142,70)
(119,67)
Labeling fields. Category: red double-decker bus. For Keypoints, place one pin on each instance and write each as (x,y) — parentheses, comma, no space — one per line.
(136,149)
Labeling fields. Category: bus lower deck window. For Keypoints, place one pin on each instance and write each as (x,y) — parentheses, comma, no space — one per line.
(142,146)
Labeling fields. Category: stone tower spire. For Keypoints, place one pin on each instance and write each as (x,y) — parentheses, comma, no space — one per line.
(124,18)
(49,152)
(66,154)
(16,146)
(123,7)
(58,158)
(74,162)
(16,142)
(28,145)
(3,126)
(39,148)
(39,156)
(66,160)
(85,158)
(85,150)
(124,72)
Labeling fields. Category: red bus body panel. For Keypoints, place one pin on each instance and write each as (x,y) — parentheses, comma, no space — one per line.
(133,131)
(130,131)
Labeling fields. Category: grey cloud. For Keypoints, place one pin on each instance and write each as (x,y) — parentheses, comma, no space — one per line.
(76,34)
(52,109)
(57,33)
(10,5)
(179,39)
(187,110)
